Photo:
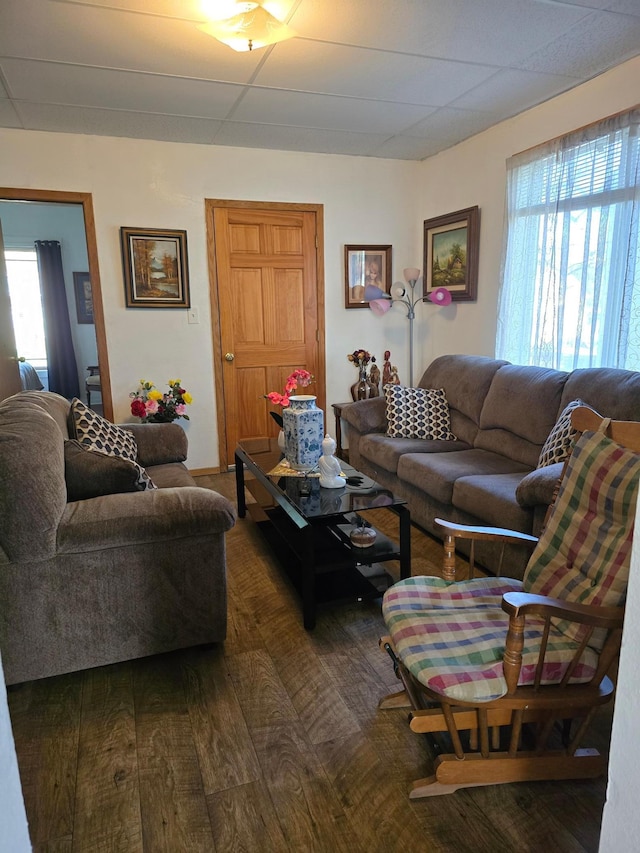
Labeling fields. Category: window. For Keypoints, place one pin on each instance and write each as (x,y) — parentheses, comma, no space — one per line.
(570,294)
(26,305)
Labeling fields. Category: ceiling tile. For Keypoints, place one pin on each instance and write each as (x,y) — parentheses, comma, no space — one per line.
(93,87)
(114,123)
(275,136)
(313,67)
(114,39)
(8,115)
(458,29)
(452,124)
(579,54)
(268,106)
(407,148)
(510,91)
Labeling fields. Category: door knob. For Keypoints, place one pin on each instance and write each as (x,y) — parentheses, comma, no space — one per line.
(229,356)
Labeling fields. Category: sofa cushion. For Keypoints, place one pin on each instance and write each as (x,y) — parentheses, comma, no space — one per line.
(385,452)
(417,413)
(466,380)
(493,497)
(436,473)
(558,444)
(520,410)
(89,474)
(96,433)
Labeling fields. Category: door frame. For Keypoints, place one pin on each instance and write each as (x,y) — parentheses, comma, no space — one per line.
(210,205)
(86,200)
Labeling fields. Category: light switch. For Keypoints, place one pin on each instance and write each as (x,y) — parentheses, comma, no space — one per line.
(193,315)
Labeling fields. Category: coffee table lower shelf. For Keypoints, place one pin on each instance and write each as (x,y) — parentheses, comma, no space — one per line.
(338,571)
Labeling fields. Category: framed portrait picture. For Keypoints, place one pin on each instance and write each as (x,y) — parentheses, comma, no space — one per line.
(84,297)
(155,268)
(365,265)
(451,244)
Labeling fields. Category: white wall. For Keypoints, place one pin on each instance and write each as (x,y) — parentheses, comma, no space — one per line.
(14,833)
(474,172)
(141,184)
(155,184)
(621,817)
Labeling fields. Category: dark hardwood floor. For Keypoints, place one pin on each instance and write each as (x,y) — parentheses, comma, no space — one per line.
(270,742)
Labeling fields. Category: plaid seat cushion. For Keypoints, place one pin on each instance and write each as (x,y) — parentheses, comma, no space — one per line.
(451,637)
(584,553)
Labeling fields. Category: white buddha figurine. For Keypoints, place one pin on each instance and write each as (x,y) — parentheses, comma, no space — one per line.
(329,466)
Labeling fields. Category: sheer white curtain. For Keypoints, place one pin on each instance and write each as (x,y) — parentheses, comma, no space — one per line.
(570,292)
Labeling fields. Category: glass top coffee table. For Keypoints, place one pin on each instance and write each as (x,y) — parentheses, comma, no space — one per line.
(308,528)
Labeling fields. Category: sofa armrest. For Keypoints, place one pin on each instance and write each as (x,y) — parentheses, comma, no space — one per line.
(538,486)
(159,444)
(367,415)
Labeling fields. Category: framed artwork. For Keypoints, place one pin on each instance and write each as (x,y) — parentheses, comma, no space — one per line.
(155,268)
(84,297)
(451,247)
(365,265)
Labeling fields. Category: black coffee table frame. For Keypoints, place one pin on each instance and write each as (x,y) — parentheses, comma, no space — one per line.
(312,541)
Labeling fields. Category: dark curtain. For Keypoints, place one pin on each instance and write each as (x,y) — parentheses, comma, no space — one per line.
(61,358)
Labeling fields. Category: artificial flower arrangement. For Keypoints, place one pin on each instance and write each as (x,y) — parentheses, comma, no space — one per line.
(298,377)
(154,407)
(361,358)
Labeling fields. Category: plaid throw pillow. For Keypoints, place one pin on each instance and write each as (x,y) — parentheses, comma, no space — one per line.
(417,413)
(556,447)
(95,433)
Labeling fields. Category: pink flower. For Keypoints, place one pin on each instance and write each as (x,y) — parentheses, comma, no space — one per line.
(181,409)
(151,407)
(298,377)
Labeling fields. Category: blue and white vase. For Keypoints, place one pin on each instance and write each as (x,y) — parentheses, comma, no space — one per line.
(303,426)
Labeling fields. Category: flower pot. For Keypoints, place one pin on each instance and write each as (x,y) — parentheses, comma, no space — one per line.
(303,432)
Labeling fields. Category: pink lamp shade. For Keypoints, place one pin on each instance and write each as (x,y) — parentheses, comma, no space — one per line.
(440,296)
(411,274)
(380,306)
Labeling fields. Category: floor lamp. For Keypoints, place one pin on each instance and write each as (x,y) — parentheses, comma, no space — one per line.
(380,302)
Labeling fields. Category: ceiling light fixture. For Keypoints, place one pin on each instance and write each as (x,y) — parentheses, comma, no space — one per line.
(244,25)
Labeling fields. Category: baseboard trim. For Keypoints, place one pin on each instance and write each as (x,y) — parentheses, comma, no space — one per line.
(203,472)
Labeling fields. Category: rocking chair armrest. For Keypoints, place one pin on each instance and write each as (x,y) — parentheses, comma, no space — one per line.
(523,603)
(468,531)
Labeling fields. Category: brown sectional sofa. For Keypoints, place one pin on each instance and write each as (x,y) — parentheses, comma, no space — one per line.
(96,581)
(501,415)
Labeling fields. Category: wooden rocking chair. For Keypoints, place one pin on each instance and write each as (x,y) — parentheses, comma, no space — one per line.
(504,666)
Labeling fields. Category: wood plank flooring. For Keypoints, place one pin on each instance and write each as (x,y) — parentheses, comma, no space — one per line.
(270,742)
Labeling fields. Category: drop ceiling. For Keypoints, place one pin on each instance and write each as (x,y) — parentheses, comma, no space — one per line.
(398,79)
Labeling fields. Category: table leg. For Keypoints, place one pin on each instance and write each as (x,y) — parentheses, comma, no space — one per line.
(307,569)
(242,504)
(405,541)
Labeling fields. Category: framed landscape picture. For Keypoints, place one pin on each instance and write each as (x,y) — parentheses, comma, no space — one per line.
(365,265)
(155,268)
(451,246)
(84,297)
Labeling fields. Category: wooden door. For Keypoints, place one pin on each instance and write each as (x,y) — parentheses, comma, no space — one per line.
(9,370)
(267,305)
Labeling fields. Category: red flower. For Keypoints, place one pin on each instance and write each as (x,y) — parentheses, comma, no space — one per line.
(137,409)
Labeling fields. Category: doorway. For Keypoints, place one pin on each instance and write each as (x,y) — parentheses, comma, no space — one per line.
(267,308)
(90,338)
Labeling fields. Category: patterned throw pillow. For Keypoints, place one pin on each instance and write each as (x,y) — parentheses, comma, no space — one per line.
(96,433)
(558,444)
(417,413)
